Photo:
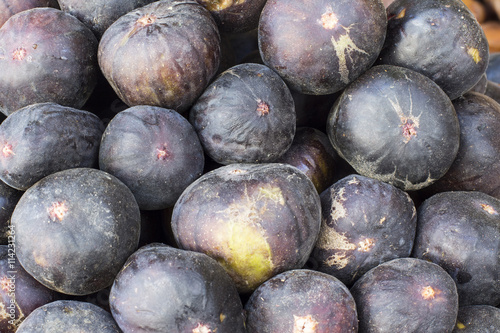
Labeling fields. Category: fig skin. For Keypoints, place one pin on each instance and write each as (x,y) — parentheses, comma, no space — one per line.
(48,56)
(406,295)
(98,15)
(257,220)
(43,138)
(75,228)
(65,316)
(154,151)
(439,39)
(163,54)
(11,7)
(460,231)
(477,319)
(20,293)
(319,47)
(301,300)
(235,16)
(476,167)
(245,116)
(365,222)
(165,289)
(395,125)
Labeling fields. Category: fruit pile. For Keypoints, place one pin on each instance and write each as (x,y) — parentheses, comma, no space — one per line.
(249,166)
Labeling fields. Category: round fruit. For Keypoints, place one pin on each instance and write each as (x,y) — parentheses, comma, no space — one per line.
(40,139)
(477,319)
(365,222)
(301,300)
(246,115)
(460,231)
(257,220)
(46,55)
(98,15)
(440,39)
(11,7)
(395,125)
(66,316)
(154,151)
(319,47)
(163,54)
(164,289)
(406,295)
(75,229)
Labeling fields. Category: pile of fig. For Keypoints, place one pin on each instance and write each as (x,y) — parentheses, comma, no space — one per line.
(290,166)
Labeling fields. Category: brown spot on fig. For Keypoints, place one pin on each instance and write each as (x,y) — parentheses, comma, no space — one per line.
(147,19)
(401,14)
(162,153)
(409,129)
(304,324)
(7,150)
(5,283)
(329,20)
(366,245)
(218,5)
(19,54)
(57,211)
(202,329)
(489,209)
(222,317)
(474,53)
(262,108)
(428,293)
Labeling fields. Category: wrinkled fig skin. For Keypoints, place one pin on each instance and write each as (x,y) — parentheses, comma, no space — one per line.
(302,300)
(406,295)
(395,125)
(163,54)
(20,293)
(98,15)
(66,316)
(47,55)
(476,167)
(320,47)
(440,39)
(165,289)
(11,7)
(365,222)
(235,16)
(9,197)
(312,153)
(44,138)
(246,115)
(154,151)
(477,319)
(75,229)
(460,231)
(257,220)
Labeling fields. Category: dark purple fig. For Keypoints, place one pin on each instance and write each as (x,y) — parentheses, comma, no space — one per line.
(75,229)
(9,197)
(44,138)
(312,153)
(460,231)
(98,15)
(11,7)
(163,54)
(365,222)
(493,90)
(164,289)
(406,295)
(257,220)
(319,47)
(439,39)
(46,55)
(246,115)
(477,319)
(481,85)
(154,151)
(477,166)
(301,301)
(235,16)
(66,316)
(20,293)
(493,68)
(395,125)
